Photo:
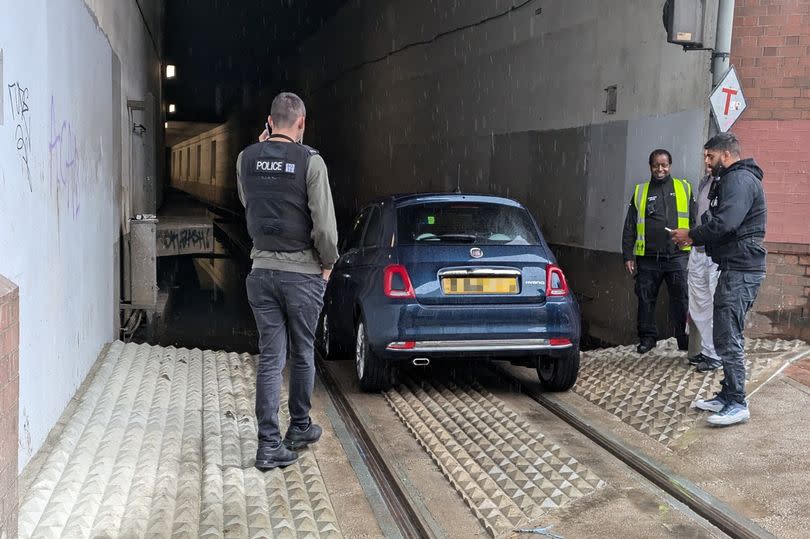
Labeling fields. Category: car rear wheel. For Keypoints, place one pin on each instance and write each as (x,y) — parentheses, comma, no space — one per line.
(558,372)
(373,373)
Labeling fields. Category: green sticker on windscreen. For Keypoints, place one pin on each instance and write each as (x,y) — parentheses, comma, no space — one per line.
(431,220)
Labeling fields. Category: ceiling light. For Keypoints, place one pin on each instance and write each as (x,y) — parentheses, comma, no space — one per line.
(171,71)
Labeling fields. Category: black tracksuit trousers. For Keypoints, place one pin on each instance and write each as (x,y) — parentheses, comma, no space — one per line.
(650,272)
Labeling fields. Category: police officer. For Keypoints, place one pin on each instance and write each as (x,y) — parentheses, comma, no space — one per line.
(733,232)
(291,219)
(661,203)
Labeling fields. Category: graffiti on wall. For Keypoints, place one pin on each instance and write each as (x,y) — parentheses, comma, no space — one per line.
(21,116)
(64,173)
(184,240)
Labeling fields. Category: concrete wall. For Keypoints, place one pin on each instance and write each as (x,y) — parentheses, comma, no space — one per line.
(67,179)
(511,106)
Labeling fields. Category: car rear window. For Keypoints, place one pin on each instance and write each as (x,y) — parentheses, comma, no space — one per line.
(472,223)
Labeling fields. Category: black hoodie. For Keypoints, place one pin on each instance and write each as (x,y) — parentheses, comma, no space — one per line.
(733,229)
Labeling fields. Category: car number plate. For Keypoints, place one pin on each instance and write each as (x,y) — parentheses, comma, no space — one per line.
(480,285)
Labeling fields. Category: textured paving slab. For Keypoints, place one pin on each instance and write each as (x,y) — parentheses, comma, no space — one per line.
(161,443)
(654,392)
(506,471)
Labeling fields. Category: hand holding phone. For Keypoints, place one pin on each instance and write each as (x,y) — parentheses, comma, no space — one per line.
(265,134)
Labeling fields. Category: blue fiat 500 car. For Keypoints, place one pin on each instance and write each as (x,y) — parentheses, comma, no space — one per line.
(453,277)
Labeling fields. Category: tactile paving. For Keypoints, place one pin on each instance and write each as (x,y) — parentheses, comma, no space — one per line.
(654,392)
(162,443)
(506,471)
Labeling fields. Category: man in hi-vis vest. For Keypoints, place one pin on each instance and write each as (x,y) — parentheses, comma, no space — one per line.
(663,203)
(291,220)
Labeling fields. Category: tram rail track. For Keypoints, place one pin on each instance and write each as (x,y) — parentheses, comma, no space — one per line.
(406,516)
(715,511)
(411,523)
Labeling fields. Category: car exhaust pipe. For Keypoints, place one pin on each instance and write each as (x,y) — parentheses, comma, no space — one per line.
(421,362)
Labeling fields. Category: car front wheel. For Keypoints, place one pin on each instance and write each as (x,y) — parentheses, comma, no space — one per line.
(326,341)
(373,373)
(558,372)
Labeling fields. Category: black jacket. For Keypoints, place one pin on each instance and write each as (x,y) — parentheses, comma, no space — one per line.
(733,229)
(659,215)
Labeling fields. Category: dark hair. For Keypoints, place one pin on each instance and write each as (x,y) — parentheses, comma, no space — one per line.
(658,152)
(725,142)
(286,109)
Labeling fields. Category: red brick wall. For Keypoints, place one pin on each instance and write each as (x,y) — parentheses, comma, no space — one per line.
(782,149)
(771,52)
(9,403)
(783,304)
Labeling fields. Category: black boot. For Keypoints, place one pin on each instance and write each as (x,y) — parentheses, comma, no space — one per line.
(645,346)
(297,438)
(269,457)
(709,364)
(694,360)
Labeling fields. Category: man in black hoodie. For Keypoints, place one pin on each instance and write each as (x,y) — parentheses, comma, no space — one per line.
(733,231)
(662,202)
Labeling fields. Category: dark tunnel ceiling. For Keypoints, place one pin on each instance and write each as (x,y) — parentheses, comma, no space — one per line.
(226,50)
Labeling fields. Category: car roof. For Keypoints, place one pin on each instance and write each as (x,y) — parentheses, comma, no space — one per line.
(407,199)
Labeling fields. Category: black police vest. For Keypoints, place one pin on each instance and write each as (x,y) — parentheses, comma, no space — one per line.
(274,181)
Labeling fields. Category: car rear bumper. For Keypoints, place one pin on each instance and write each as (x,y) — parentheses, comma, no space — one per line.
(478,345)
(486,330)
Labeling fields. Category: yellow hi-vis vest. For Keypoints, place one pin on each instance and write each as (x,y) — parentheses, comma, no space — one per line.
(683,193)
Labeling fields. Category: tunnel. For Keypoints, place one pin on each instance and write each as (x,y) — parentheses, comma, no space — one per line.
(124,242)
(541,102)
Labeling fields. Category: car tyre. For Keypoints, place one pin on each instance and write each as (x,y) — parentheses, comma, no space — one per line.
(373,373)
(558,372)
(325,341)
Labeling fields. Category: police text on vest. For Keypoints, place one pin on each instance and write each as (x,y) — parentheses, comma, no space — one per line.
(266,165)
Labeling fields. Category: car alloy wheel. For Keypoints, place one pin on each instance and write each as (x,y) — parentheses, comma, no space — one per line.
(360,351)
(374,373)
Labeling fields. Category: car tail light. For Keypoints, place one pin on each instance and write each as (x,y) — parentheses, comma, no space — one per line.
(402,345)
(559,342)
(397,283)
(555,282)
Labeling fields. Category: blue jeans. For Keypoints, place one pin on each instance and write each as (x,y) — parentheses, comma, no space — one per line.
(735,294)
(286,307)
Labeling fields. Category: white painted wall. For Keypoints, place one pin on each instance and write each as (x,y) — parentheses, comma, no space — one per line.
(60,147)
(126,31)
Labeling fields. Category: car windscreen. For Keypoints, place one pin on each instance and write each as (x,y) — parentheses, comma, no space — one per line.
(469,223)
